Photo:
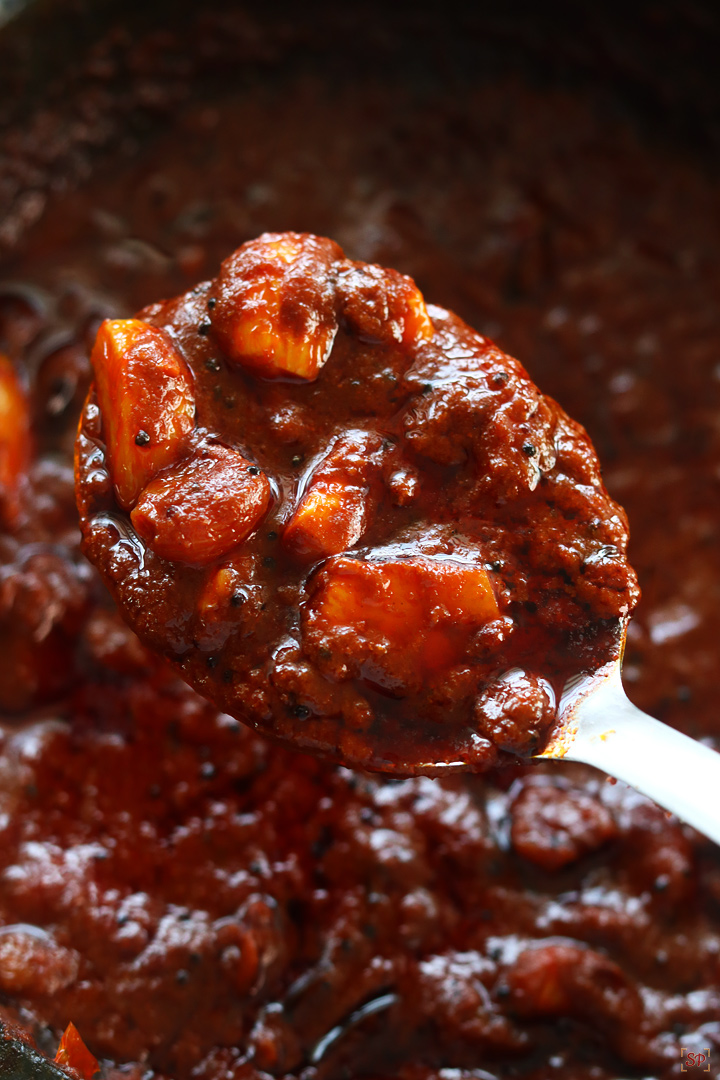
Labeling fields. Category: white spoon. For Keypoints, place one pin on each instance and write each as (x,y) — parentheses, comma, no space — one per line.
(599,726)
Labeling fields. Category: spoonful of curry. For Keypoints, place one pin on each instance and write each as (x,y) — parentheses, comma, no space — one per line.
(357,525)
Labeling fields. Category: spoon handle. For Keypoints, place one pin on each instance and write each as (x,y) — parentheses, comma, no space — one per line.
(674,770)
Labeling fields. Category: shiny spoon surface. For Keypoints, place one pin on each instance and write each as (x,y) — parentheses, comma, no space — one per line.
(599,726)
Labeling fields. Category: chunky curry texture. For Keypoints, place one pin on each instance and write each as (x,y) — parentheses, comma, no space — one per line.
(346,517)
(200,902)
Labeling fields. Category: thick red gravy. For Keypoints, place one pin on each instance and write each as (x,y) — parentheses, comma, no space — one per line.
(197,901)
(348,519)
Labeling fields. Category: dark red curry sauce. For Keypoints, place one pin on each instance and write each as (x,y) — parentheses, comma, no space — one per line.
(348,519)
(200,902)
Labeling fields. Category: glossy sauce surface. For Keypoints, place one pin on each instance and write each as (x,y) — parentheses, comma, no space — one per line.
(354,523)
(202,903)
